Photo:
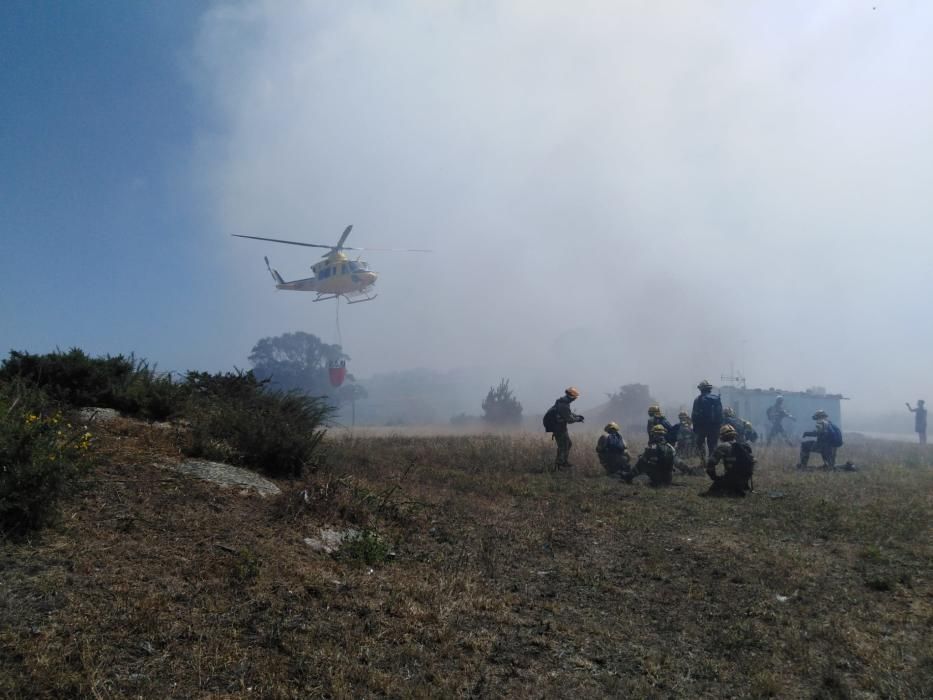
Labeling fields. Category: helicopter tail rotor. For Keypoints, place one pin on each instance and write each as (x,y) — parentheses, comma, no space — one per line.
(275,273)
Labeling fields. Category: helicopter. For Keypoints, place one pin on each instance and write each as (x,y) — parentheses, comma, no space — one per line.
(335,275)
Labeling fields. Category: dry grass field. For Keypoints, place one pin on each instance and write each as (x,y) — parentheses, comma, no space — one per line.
(477,573)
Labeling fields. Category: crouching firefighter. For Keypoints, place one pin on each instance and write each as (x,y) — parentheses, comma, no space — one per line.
(613,453)
(828,441)
(738,465)
(657,461)
(556,420)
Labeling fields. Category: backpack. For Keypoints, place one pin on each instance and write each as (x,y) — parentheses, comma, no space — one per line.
(615,442)
(833,434)
(551,419)
(744,459)
(710,412)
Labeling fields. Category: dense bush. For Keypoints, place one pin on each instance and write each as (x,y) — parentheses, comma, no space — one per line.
(235,418)
(500,407)
(73,378)
(40,456)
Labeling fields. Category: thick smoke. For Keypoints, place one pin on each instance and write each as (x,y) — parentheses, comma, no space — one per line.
(615,192)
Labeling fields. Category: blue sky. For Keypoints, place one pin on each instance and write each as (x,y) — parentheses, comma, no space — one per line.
(99,226)
(615,191)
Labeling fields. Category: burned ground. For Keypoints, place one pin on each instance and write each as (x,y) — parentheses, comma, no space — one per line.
(477,573)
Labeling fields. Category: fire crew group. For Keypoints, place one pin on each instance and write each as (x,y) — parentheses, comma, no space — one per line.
(715,436)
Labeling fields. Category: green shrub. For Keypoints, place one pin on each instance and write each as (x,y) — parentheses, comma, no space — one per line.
(366,546)
(75,379)
(235,418)
(41,455)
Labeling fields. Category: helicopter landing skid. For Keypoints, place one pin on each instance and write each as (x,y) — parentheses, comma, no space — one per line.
(349,301)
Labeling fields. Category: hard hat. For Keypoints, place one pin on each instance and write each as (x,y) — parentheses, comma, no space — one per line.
(683,414)
(728,411)
(611,426)
(655,411)
(727,432)
(658,430)
(702,386)
(820,414)
(779,399)
(572,392)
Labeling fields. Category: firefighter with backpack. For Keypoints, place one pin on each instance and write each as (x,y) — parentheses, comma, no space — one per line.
(828,439)
(556,420)
(707,420)
(738,465)
(613,453)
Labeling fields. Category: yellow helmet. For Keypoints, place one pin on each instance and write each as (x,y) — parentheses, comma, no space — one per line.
(611,427)
(727,432)
(728,411)
(655,411)
(819,415)
(658,430)
(704,385)
(572,392)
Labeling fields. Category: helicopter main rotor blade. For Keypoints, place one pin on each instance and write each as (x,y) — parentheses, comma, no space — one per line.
(278,240)
(391,250)
(343,236)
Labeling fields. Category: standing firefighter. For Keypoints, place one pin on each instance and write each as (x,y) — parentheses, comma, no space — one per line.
(738,464)
(556,420)
(657,461)
(828,440)
(613,453)
(776,415)
(707,420)
(920,420)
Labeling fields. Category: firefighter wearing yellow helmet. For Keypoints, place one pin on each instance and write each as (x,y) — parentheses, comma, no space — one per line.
(683,438)
(556,420)
(737,461)
(657,461)
(656,417)
(707,419)
(613,453)
(828,439)
(744,431)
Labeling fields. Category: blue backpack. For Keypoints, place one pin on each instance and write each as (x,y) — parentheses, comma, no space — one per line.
(615,442)
(710,412)
(833,434)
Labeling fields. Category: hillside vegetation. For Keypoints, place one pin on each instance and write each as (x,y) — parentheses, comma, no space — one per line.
(472,571)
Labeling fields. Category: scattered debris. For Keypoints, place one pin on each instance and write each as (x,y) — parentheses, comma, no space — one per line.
(776,494)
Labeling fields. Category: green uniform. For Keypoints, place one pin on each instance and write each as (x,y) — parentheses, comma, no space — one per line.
(738,465)
(744,431)
(657,462)
(686,440)
(561,435)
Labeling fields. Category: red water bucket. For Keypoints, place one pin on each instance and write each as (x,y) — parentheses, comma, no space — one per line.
(338,372)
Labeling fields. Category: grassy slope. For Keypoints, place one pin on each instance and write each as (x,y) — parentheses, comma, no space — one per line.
(507,580)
